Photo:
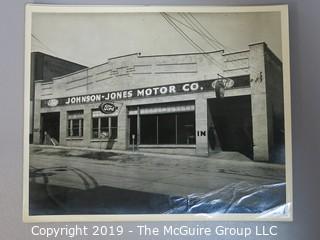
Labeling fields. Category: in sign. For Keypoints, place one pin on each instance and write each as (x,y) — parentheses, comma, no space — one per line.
(107,108)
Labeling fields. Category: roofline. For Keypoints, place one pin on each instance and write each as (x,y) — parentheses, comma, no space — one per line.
(127,55)
(180,54)
(273,54)
(40,81)
(235,52)
(156,55)
(257,43)
(139,56)
(69,74)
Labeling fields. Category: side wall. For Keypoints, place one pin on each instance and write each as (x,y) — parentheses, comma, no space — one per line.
(275,106)
(267,104)
(259,102)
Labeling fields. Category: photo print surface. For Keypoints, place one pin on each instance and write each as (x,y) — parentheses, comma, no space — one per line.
(146,113)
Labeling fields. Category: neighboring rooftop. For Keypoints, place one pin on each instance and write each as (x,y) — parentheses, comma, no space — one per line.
(45,67)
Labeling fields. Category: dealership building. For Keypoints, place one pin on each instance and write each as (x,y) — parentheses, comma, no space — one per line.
(189,103)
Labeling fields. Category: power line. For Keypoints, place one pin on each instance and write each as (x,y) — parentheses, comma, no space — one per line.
(209,33)
(201,34)
(197,47)
(183,34)
(188,39)
(193,29)
(198,30)
(43,44)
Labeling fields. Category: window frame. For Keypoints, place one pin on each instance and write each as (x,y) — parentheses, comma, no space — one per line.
(110,128)
(177,130)
(70,121)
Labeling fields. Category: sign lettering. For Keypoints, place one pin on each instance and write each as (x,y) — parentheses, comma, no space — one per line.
(201,133)
(181,88)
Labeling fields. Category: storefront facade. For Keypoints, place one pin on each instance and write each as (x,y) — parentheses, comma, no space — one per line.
(168,104)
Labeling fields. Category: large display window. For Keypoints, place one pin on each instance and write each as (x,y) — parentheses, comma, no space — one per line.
(163,124)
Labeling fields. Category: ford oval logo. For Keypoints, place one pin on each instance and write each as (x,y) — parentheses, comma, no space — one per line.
(108,108)
(53,102)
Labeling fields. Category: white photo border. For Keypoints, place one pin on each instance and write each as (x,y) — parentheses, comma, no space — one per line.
(43,8)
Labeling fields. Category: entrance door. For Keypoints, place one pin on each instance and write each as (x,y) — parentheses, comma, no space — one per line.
(232,119)
(50,125)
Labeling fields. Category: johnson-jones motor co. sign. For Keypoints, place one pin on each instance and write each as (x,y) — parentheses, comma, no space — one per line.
(190,87)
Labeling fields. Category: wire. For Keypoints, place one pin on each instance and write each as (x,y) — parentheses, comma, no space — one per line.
(201,50)
(198,30)
(209,33)
(43,44)
(181,32)
(188,39)
(191,28)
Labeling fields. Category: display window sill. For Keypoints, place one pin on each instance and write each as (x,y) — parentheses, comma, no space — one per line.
(103,140)
(74,138)
(166,145)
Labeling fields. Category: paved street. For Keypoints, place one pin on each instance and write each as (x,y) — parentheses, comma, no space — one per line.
(158,174)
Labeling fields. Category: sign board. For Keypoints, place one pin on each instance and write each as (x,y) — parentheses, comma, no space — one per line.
(164,90)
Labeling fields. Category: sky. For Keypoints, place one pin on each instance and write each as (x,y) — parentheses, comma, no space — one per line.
(90,39)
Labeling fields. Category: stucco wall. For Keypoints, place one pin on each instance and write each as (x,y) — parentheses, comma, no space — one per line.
(136,71)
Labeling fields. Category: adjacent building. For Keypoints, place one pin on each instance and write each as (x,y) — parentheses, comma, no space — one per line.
(190,103)
(44,67)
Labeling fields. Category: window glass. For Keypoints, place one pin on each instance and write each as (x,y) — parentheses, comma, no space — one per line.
(95,127)
(69,128)
(114,133)
(114,127)
(76,127)
(104,126)
(75,123)
(114,122)
(167,129)
(133,128)
(148,129)
(186,128)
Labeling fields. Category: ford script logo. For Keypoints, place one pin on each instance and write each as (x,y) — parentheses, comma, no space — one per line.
(226,82)
(108,108)
(53,102)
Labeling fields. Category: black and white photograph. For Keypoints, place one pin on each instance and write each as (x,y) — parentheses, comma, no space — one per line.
(157,113)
